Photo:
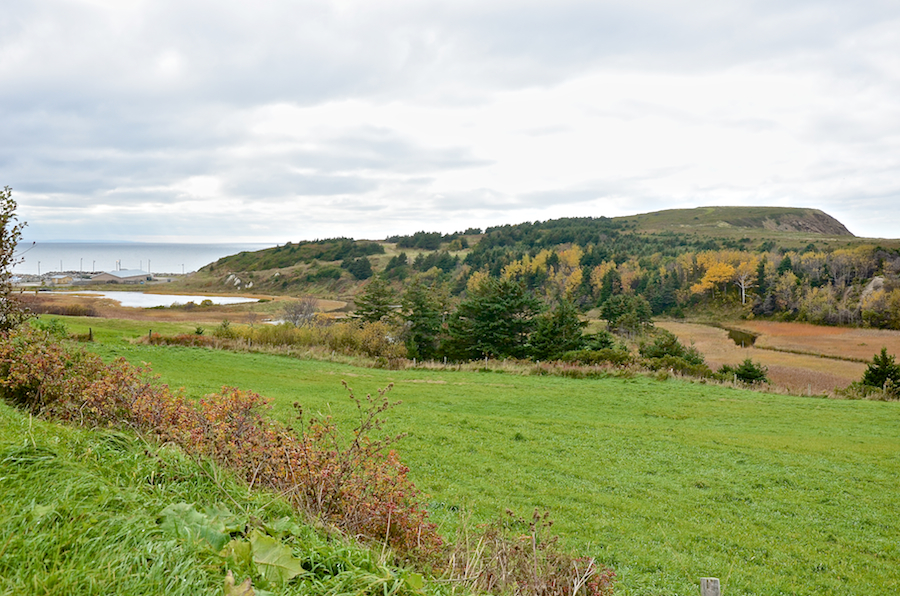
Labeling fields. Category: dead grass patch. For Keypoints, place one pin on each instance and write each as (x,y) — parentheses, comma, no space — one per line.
(838,342)
(798,373)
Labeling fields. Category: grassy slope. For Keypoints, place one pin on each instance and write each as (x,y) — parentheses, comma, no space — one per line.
(79,514)
(667,482)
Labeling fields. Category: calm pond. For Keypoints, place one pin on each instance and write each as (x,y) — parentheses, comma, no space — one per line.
(142,300)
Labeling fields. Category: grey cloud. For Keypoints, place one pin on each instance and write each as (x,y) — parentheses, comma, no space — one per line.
(90,114)
(309,52)
(377,148)
(276,184)
(561,197)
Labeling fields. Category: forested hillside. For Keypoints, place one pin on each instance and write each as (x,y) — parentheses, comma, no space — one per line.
(793,264)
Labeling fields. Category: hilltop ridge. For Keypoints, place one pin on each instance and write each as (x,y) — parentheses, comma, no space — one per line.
(715,219)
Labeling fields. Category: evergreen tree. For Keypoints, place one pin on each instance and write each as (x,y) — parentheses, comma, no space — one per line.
(610,286)
(423,310)
(557,332)
(761,286)
(360,268)
(495,320)
(882,369)
(376,303)
(785,265)
(626,313)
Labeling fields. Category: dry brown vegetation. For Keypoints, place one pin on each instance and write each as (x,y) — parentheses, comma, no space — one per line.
(821,366)
(839,342)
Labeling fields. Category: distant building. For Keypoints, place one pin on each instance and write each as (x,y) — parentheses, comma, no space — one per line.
(122,276)
(60,280)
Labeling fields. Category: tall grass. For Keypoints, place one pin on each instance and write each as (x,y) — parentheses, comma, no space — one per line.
(81,512)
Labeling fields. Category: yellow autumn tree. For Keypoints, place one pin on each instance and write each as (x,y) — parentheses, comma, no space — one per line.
(567,275)
(717,272)
(598,273)
(630,271)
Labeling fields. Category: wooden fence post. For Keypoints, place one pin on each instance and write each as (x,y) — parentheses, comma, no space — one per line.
(709,586)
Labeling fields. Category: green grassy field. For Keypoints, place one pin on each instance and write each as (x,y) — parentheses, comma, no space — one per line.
(666,482)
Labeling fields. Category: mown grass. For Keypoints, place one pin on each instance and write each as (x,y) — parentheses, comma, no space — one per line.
(666,482)
(80,513)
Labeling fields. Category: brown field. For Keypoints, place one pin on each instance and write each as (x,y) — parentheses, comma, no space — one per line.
(840,342)
(803,373)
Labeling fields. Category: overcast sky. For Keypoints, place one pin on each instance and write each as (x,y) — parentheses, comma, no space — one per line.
(221,120)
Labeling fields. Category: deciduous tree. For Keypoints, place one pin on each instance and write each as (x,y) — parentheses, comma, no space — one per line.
(743,276)
(12,311)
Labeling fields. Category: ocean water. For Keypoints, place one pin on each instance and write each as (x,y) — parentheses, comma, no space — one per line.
(44,258)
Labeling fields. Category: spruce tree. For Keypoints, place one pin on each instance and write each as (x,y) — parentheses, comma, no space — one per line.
(376,303)
(557,332)
(495,320)
(882,368)
(423,310)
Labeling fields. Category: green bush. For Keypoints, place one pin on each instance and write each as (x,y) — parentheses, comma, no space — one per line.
(224,330)
(746,372)
(53,327)
(613,356)
(323,274)
(679,365)
(667,345)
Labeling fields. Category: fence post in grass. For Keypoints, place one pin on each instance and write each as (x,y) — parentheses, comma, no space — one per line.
(709,586)
(90,334)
